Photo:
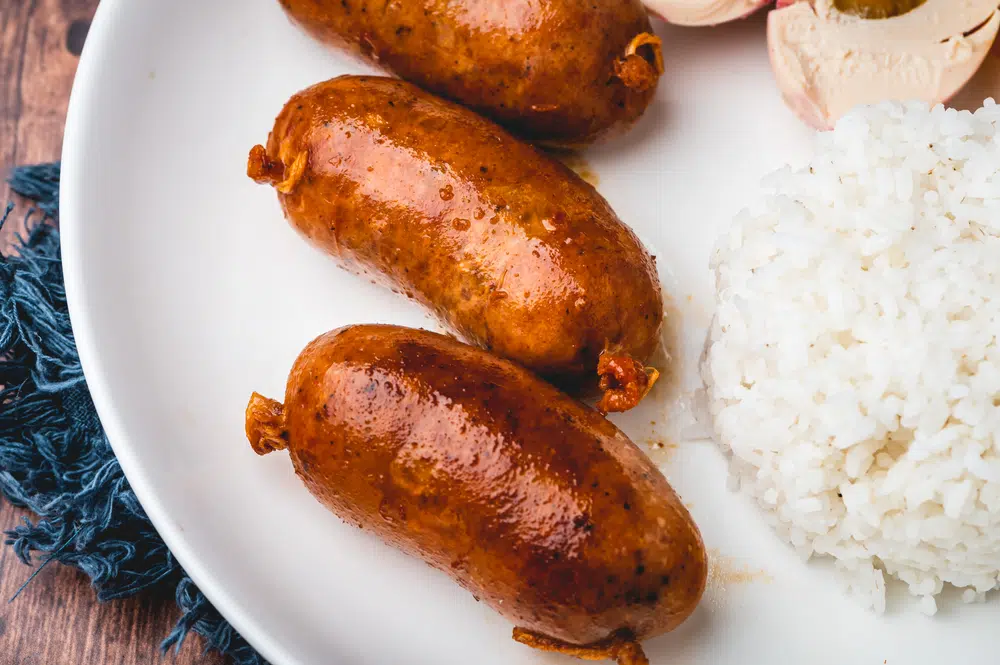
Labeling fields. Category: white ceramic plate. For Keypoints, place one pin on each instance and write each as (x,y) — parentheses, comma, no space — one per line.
(188,291)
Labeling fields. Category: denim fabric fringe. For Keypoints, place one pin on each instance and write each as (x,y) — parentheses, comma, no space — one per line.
(54,457)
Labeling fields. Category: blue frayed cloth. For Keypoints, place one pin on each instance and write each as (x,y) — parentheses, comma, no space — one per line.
(54,457)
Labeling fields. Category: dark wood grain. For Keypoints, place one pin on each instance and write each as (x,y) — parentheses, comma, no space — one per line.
(57,620)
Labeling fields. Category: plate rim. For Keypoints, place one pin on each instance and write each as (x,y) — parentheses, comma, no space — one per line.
(82,105)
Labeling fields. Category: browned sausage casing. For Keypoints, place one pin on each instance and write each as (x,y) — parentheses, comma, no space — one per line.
(558,70)
(531,501)
(507,245)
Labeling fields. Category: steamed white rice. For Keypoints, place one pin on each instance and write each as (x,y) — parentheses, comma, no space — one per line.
(853,368)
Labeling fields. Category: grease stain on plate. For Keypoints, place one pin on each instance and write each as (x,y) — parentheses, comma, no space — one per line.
(725,573)
(579,165)
(667,358)
(661,449)
(698,312)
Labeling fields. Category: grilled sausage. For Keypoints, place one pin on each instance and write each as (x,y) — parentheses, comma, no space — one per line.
(530,500)
(508,246)
(562,70)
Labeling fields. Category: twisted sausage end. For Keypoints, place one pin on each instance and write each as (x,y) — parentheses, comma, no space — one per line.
(262,169)
(621,647)
(637,71)
(623,380)
(265,425)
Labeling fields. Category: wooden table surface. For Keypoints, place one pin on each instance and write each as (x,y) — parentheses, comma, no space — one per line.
(57,620)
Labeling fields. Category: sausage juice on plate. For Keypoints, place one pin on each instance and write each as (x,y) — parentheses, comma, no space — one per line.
(508,246)
(562,71)
(533,502)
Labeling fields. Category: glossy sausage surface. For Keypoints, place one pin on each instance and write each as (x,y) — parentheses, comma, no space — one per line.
(508,246)
(554,70)
(531,501)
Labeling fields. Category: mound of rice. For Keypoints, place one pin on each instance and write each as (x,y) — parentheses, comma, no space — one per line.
(853,370)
